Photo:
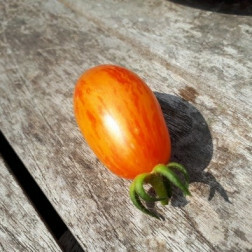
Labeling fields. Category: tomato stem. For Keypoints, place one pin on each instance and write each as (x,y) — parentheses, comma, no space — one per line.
(167,172)
(157,183)
(139,183)
(137,202)
(161,179)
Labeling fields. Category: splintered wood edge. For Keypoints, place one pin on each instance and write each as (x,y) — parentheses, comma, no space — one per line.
(20,227)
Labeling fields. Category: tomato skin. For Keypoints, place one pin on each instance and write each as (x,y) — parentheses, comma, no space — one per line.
(121,120)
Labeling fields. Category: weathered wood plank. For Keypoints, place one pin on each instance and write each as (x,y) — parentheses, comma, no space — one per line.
(209,50)
(21,229)
(44,48)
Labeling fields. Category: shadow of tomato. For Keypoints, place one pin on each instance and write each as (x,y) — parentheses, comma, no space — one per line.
(192,143)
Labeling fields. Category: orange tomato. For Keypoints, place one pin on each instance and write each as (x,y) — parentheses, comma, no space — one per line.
(121,120)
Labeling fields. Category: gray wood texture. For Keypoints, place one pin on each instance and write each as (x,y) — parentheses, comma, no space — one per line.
(199,65)
(21,229)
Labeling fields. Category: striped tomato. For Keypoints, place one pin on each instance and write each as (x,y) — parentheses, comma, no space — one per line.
(121,120)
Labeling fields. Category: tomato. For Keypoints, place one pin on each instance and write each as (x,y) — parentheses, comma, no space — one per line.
(122,122)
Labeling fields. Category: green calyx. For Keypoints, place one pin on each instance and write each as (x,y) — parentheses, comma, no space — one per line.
(162,178)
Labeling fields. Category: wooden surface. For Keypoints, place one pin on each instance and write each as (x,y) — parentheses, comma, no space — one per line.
(199,65)
(21,229)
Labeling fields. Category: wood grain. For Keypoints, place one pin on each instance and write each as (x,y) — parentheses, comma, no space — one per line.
(21,229)
(199,64)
